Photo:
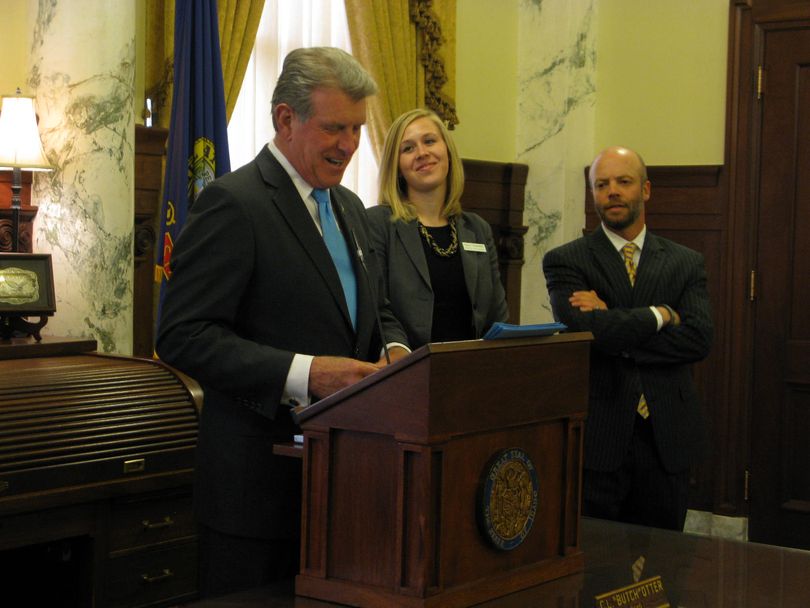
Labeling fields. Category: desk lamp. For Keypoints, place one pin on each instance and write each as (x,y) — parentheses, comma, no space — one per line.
(24,291)
(20,149)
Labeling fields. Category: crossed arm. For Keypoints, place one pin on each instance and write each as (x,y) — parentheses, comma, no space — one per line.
(585,301)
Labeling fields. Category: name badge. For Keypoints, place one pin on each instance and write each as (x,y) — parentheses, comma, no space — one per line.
(477,247)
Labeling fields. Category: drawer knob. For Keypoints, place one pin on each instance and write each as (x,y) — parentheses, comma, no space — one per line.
(150,525)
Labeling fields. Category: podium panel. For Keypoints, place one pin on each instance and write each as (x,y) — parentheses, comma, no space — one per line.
(448,478)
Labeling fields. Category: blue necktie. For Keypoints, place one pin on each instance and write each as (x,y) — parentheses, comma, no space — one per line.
(338,250)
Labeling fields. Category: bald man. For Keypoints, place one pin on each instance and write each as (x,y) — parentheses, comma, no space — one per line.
(648,309)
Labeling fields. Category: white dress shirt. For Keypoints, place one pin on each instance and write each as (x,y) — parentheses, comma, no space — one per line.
(296,388)
(618,242)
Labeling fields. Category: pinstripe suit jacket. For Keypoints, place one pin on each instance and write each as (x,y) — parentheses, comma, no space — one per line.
(628,355)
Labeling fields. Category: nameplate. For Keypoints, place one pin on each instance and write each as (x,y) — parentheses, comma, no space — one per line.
(648,593)
(477,247)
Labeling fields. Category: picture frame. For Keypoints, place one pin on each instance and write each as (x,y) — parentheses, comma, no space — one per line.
(26,285)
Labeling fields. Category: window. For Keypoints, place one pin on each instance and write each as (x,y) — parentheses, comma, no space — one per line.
(287,25)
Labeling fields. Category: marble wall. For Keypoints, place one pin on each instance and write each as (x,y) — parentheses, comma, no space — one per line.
(82,72)
(555,131)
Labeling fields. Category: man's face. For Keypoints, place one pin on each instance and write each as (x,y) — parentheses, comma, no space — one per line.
(321,147)
(618,191)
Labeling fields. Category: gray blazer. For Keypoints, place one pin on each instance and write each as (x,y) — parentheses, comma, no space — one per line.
(407,282)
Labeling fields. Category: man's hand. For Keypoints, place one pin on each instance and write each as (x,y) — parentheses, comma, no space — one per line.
(587,301)
(669,315)
(328,375)
(395,353)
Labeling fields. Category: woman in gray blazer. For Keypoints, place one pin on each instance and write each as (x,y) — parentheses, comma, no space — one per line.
(439,263)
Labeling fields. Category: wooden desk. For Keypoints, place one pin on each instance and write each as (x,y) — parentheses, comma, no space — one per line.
(697,571)
(96,462)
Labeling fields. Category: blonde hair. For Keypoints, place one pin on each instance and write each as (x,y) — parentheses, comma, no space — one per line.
(394,189)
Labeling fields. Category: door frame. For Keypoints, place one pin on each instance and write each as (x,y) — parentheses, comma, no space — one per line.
(743,122)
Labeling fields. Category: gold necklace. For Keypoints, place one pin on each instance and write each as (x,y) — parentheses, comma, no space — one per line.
(450,249)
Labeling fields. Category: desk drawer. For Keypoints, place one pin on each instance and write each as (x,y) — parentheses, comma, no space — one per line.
(152,577)
(143,523)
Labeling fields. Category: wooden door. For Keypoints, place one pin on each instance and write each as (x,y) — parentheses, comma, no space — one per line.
(780,408)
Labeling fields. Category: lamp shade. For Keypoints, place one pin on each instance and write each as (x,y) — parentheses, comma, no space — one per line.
(20,144)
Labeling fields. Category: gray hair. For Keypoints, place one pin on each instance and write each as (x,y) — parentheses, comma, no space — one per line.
(306,69)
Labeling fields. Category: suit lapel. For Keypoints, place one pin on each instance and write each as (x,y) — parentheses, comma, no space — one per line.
(408,234)
(651,267)
(468,260)
(349,227)
(605,256)
(294,211)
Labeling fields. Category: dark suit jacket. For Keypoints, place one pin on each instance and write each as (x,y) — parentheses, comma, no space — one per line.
(407,280)
(628,354)
(253,283)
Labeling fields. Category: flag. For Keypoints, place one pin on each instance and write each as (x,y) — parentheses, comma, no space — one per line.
(198,137)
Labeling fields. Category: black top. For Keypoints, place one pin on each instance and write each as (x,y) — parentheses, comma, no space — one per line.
(452,310)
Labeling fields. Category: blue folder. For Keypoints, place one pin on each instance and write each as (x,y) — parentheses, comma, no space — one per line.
(500,331)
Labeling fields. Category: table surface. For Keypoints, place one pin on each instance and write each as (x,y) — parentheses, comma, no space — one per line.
(696,571)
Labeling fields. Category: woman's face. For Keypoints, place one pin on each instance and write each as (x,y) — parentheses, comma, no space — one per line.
(423,160)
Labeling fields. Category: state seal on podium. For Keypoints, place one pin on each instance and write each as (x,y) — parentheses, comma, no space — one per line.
(507,498)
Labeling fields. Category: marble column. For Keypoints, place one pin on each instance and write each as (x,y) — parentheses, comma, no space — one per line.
(82,72)
(555,130)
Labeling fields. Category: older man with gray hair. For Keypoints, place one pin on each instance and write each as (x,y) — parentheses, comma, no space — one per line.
(266,309)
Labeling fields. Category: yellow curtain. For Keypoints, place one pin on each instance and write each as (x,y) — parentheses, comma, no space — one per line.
(159,54)
(384,41)
(238,23)
(409,48)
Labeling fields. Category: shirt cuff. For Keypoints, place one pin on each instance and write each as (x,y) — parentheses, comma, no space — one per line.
(391,345)
(658,318)
(296,389)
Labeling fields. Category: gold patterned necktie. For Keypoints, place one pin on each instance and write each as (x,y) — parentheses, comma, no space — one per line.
(627,252)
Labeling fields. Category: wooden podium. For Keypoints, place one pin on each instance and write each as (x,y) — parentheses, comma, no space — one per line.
(449,478)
